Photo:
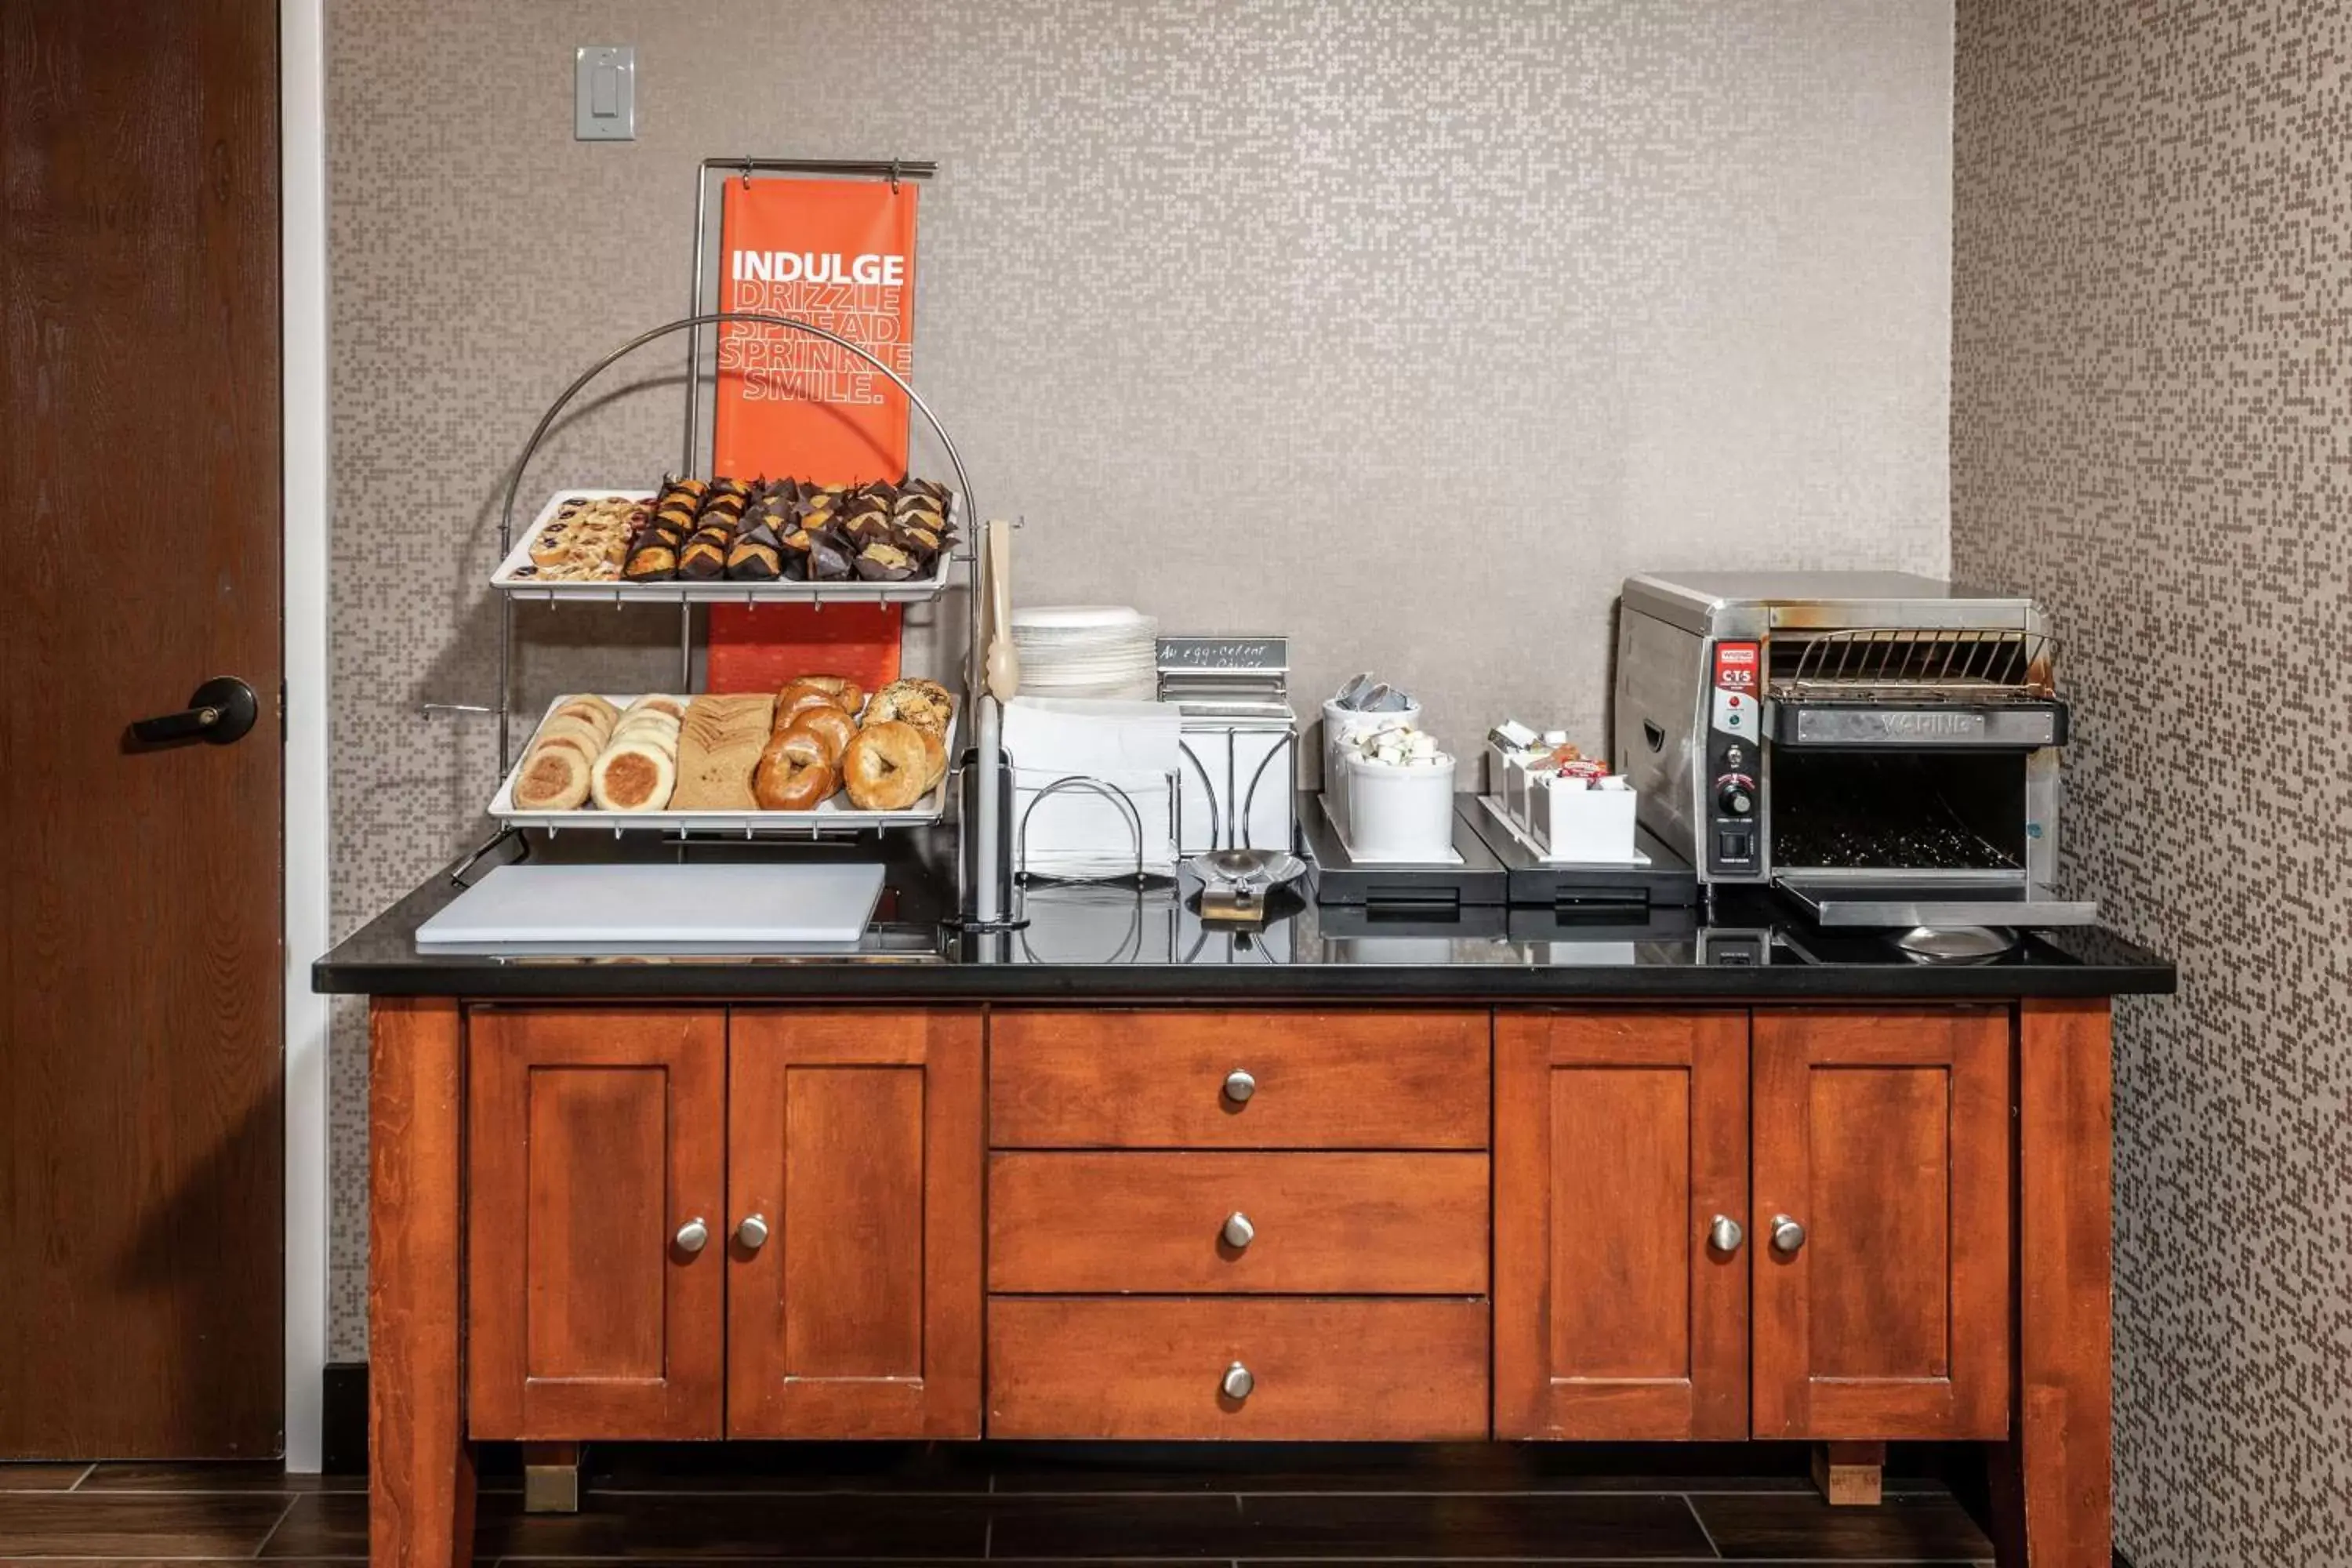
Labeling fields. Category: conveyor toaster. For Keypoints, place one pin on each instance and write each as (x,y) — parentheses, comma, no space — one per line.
(1881,747)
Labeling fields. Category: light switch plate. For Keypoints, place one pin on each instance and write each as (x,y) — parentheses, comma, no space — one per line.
(604,92)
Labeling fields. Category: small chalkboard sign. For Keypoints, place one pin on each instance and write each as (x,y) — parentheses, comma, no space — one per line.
(1214,656)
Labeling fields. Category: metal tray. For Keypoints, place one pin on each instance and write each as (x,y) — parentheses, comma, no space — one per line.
(1660,879)
(1428,891)
(913,591)
(832,817)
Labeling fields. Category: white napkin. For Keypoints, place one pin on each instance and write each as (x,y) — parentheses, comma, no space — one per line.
(1132,747)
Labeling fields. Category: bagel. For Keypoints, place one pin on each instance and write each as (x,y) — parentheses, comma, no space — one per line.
(935,760)
(845,692)
(657,703)
(797,697)
(885,767)
(835,728)
(925,704)
(793,774)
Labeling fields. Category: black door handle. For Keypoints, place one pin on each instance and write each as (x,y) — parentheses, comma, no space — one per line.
(222,709)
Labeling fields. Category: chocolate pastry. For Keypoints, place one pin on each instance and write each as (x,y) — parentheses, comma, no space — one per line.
(918,541)
(704,557)
(750,561)
(885,564)
(828,558)
(870,528)
(651,564)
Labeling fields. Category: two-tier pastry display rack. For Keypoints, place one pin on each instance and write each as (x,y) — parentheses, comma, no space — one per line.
(976,773)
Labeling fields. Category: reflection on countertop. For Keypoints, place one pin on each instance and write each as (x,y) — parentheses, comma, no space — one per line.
(1111,940)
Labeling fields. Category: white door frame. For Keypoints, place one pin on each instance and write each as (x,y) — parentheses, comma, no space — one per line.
(302,350)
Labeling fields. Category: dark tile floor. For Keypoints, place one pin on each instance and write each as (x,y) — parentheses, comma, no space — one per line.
(1020,1504)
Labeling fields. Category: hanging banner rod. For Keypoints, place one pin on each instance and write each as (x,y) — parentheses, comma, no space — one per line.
(864,168)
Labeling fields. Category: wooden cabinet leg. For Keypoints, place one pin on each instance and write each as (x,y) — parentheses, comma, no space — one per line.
(1850,1474)
(2052,1492)
(551,1477)
(420,1469)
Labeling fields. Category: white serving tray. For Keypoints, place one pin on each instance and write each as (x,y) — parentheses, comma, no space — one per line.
(913,591)
(830,817)
(1495,809)
(733,909)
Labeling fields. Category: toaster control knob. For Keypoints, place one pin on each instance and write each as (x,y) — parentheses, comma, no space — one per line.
(1734,795)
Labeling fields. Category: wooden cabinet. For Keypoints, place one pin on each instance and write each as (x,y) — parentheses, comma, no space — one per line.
(1619,1137)
(1885,1135)
(769,1222)
(614,1289)
(594,1137)
(854,1136)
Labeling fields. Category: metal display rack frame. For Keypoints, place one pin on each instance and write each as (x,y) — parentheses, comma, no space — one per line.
(978,779)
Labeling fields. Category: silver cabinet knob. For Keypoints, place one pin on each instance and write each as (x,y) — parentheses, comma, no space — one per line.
(1238,1232)
(1239,1086)
(1787,1234)
(1725,1235)
(1237,1383)
(693,1235)
(754,1232)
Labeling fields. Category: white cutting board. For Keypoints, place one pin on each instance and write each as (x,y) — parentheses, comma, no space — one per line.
(599,910)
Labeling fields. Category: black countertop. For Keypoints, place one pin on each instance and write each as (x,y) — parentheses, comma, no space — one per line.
(1099,941)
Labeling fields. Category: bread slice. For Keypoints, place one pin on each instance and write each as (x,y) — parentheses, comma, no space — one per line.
(718,747)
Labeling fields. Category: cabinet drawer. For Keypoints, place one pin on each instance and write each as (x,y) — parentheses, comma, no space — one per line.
(1106,1079)
(1368,1225)
(1372,1371)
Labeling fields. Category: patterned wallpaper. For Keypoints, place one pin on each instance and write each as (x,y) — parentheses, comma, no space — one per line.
(1407,330)
(2150,433)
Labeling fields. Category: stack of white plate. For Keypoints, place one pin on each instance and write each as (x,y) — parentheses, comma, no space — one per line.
(1086,650)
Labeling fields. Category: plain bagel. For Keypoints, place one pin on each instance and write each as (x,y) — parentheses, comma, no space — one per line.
(886,767)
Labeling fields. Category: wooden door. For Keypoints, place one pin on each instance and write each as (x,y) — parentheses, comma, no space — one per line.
(594,1143)
(142,1145)
(854,1136)
(1885,1135)
(1619,1138)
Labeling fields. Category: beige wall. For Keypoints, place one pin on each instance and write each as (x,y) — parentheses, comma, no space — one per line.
(1407,330)
(2152,431)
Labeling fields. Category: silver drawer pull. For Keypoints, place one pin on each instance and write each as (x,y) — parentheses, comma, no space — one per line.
(1786,1235)
(1725,1235)
(1240,1086)
(1238,1232)
(1237,1383)
(754,1232)
(692,1236)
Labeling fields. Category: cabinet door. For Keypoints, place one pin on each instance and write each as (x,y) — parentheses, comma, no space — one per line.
(1619,1137)
(854,1136)
(594,1138)
(1885,1135)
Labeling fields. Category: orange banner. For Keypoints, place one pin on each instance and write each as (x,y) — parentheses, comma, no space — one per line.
(839,255)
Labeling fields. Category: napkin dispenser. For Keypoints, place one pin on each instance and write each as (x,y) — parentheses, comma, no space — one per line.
(1238,785)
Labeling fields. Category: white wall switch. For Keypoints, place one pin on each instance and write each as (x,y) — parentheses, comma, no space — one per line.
(604,92)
